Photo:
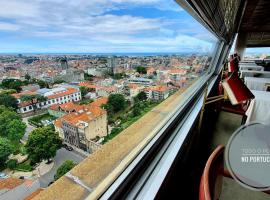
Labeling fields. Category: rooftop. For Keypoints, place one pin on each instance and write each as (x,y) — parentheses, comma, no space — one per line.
(103,166)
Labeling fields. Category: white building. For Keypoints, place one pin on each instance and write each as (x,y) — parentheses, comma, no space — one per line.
(53,96)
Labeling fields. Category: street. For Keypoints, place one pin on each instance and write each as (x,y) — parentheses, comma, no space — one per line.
(61,156)
(28,129)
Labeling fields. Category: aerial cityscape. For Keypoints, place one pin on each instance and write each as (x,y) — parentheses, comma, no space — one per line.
(77,103)
(75,75)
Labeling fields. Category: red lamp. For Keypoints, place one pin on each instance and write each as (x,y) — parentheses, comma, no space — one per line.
(236,90)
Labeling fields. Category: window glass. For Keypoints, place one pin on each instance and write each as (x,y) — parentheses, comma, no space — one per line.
(257,53)
(134,62)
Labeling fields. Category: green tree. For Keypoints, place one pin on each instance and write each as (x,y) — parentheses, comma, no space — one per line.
(34,99)
(142,96)
(15,130)
(136,111)
(5,150)
(27,77)
(64,168)
(8,91)
(84,90)
(88,77)
(8,101)
(13,84)
(11,125)
(42,144)
(12,164)
(141,70)
(116,103)
(41,83)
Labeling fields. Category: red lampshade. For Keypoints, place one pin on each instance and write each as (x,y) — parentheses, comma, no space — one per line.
(233,65)
(237,91)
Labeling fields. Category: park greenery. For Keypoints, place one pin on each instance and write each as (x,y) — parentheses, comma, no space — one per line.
(64,168)
(5,150)
(128,115)
(38,120)
(11,125)
(42,144)
(141,70)
(16,84)
(7,100)
(84,90)
(88,77)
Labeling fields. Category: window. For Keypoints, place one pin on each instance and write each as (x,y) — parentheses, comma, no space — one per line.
(152,46)
(257,53)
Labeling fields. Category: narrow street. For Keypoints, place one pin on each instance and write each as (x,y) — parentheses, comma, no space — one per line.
(61,156)
(29,128)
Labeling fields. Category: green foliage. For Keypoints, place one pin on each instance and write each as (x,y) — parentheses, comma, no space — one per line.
(136,111)
(86,101)
(42,144)
(41,83)
(128,118)
(27,77)
(11,125)
(115,131)
(5,150)
(118,76)
(36,120)
(8,101)
(24,167)
(116,103)
(58,81)
(88,77)
(15,130)
(64,168)
(8,91)
(34,99)
(13,84)
(12,164)
(141,96)
(84,91)
(141,70)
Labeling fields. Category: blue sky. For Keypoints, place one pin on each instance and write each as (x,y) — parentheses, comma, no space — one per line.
(99,26)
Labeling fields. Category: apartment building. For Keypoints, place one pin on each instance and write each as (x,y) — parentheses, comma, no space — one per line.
(157,93)
(81,124)
(53,96)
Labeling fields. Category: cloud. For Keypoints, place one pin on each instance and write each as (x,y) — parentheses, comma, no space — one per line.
(8,27)
(89,25)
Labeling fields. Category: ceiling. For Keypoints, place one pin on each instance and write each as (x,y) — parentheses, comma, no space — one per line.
(256,23)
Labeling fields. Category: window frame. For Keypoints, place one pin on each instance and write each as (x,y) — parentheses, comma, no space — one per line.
(148,162)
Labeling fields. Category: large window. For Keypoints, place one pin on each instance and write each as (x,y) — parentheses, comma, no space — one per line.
(136,62)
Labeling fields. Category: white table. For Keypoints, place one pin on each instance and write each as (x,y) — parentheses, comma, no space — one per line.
(259,108)
(254,83)
(251,73)
(253,67)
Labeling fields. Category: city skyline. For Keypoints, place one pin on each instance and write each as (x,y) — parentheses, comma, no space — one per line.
(108,26)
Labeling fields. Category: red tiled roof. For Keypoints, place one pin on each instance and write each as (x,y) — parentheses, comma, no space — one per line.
(19,95)
(64,93)
(88,85)
(90,111)
(88,115)
(10,183)
(98,102)
(159,88)
(69,106)
(178,71)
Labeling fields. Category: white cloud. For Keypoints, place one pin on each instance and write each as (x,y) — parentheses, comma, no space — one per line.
(8,27)
(85,25)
